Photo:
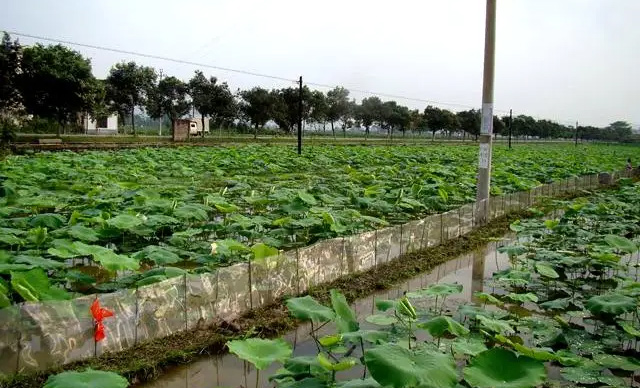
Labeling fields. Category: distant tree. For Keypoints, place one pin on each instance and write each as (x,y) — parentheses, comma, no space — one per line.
(212,99)
(318,107)
(369,112)
(168,98)
(10,53)
(257,106)
(338,106)
(400,119)
(127,88)
(56,82)
(523,126)
(619,130)
(434,119)
(470,121)
(498,126)
(416,121)
(286,107)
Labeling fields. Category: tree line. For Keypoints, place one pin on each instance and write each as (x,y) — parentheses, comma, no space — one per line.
(55,82)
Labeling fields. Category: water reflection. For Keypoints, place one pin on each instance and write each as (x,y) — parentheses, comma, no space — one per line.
(470,270)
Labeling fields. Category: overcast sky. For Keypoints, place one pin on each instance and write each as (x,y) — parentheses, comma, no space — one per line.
(565,60)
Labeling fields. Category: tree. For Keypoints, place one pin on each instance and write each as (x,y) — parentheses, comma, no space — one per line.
(470,121)
(338,106)
(10,53)
(416,121)
(619,130)
(56,82)
(498,126)
(170,98)
(438,119)
(369,111)
(319,107)
(212,99)
(256,106)
(286,106)
(128,86)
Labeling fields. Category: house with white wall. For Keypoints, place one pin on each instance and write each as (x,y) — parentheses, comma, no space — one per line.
(104,126)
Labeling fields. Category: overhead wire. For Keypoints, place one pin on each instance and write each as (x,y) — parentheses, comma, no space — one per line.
(232,70)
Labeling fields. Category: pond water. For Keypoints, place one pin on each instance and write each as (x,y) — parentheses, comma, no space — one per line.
(471,270)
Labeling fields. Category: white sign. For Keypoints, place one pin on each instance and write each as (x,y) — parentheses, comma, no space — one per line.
(483,160)
(487,119)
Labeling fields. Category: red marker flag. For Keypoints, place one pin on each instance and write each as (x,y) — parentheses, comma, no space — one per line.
(99,314)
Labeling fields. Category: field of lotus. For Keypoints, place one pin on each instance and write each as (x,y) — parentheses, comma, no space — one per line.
(99,221)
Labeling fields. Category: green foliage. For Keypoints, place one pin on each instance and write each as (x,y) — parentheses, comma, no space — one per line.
(393,366)
(88,379)
(260,352)
(33,285)
(308,309)
(611,303)
(443,325)
(501,368)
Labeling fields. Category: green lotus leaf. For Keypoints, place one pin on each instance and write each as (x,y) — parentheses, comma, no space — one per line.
(372,336)
(5,301)
(546,270)
(620,243)
(47,220)
(612,361)
(260,352)
(501,368)
(629,329)
(513,250)
(158,255)
(359,383)
(33,285)
(307,198)
(535,353)
(37,261)
(345,319)
(487,298)
(556,304)
(581,375)
(88,379)
(191,213)
(308,309)
(439,289)
(125,222)
(568,358)
(83,233)
(394,366)
(471,346)
(495,325)
(522,298)
(611,304)
(385,304)
(439,326)
(263,251)
(381,319)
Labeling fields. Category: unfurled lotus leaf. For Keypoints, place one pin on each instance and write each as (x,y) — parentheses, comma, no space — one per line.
(495,325)
(546,270)
(345,319)
(440,289)
(501,368)
(611,304)
(260,352)
(88,379)
(629,329)
(620,243)
(581,375)
(394,366)
(522,298)
(470,346)
(487,298)
(125,222)
(381,319)
(33,285)
(308,309)
(612,361)
(443,325)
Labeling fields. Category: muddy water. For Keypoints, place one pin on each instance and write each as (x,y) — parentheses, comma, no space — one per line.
(470,270)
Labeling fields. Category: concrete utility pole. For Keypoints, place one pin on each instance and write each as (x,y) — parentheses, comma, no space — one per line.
(300,118)
(160,124)
(576,133)
(510,123)
(486,129)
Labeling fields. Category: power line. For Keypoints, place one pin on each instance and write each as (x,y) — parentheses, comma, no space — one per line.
(245,72)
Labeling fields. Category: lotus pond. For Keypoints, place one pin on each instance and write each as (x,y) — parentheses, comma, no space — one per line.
(563,313)
(99,221)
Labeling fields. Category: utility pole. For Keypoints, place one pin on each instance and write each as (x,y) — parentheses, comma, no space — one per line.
(160,123)
(576,133)
(300,119)
(486,128)
(510,122)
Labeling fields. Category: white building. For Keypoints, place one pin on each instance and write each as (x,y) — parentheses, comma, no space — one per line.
(105,126)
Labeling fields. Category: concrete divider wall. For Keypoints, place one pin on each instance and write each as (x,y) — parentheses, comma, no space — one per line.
(37,336)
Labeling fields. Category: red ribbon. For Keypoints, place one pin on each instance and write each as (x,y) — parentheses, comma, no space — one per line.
(99,314)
